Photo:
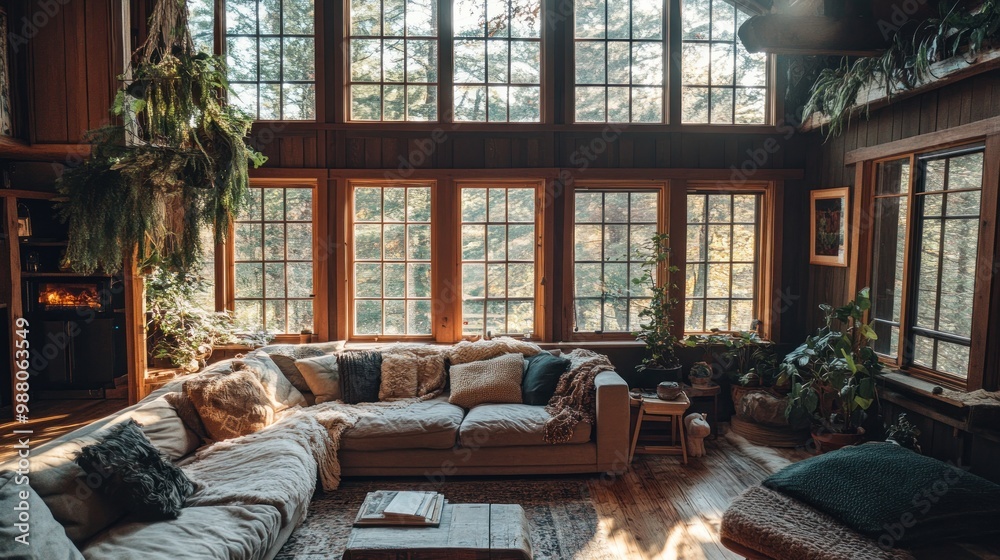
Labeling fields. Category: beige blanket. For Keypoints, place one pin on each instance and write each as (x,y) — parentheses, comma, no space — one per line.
(575,399)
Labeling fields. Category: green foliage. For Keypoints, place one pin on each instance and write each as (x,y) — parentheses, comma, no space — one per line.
(656,324)
(183,332)
(907,61)
(745,356)
(832,373)
(175,162)
(700,370)
(904,433)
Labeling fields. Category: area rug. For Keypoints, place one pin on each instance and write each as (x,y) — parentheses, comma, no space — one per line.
(562,517)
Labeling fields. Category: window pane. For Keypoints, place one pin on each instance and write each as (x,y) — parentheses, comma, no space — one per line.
(497,44)
(270,54)
(498,255)
(722,259)
(392,260)
(274,260)
(612,229)
(887,271)
(712,55)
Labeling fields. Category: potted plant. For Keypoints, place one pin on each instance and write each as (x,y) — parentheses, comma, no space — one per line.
(700,374)
(832,376)
(656,327)
(903,433)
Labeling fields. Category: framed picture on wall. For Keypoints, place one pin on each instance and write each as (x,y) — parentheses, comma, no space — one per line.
(828,215)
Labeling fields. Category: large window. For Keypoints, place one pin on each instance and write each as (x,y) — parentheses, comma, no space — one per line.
(620,50)
(273,250)
(926,245)
(498,60)
(722,82)
(612,235)
(498,259)
(391,260)
(271,56)
(394,60)
(721,283)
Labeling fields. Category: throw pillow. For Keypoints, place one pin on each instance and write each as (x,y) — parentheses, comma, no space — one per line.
(135,474)
(465,352)
(893,495)
(285,355)
(187,413)
(27,527)
(399,376)
(231,405)
(497,380)
(541,377)
(360,375)
(322,375)
(278,389)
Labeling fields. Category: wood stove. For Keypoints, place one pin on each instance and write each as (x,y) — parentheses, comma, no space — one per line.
(74,296)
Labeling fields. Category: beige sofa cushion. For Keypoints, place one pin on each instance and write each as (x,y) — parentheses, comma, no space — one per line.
(284,356)
(322,374)
(431,424)
(497,380)
(231,405)
(507,425)
(243,532)
(277,387)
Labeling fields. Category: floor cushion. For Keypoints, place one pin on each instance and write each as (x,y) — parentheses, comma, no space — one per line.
(894,495)
(505,425)
(237,532)
(431,424)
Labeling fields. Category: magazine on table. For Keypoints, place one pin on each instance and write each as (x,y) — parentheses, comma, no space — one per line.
(401,508)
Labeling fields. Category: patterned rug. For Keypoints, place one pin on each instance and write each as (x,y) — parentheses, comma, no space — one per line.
(562,517)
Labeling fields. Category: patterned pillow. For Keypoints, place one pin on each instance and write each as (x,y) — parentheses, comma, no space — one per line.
(278,389)
(490,381)
(231,405)
(135,474)
(284,355)
(399,376)
(322,376)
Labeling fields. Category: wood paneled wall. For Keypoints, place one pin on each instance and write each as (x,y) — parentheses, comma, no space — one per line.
(968,101)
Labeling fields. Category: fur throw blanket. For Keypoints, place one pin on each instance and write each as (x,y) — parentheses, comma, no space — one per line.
(465,351)
(575,399)
(409,370)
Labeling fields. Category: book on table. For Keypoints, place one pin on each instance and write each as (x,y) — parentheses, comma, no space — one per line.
(400,508)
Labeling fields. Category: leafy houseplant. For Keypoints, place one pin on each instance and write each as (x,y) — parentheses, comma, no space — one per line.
(749,360)
(832,375)
(175,162)
(181,332)
(656,326)
(903,433)
(700,374)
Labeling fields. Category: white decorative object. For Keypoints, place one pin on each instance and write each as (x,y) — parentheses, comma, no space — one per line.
(697,429)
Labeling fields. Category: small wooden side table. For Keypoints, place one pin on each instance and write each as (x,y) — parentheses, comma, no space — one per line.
(711,391)
(656,410)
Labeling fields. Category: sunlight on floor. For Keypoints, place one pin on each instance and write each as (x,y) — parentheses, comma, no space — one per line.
(695,539)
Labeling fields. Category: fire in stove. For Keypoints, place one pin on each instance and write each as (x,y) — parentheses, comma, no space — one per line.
(68,296)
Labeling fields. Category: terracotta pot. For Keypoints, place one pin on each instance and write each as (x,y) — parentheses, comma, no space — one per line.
(831,441)
(701,381)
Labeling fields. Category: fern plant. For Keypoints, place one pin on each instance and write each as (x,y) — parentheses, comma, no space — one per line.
(174,162)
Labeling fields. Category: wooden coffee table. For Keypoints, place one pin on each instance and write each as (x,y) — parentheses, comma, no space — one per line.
(467,532)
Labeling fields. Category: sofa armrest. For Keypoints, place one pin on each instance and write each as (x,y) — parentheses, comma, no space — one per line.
(612,428)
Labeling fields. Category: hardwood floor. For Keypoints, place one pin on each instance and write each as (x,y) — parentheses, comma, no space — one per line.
(51,419)
(659,510)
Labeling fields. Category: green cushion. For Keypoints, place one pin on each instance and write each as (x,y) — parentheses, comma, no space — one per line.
(541,377)
(893,495)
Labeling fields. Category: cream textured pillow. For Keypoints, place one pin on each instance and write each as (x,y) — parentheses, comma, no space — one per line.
(231,405)
(399,377)
(322,375)
(284,356)
(491,381)
(278,389)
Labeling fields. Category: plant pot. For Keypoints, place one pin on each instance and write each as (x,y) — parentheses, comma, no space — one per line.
(701,381)
(650,378)
(831,441)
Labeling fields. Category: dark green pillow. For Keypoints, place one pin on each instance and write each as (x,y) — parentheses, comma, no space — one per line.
(541,377)
(133,472)
(893,495)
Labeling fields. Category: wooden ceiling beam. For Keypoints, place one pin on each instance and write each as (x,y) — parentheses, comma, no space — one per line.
(13,149)
(812,35)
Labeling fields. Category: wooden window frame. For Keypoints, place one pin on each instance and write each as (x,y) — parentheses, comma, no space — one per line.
(540,257)
(225,258)
(984,354)
(769,298)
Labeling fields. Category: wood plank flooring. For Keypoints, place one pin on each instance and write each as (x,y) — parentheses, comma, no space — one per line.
(51,419)
(659,510)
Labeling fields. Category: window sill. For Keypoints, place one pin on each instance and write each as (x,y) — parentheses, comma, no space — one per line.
(903,382)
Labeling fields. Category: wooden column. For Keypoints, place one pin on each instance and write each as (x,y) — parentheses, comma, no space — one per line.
(135,329)
(11,277)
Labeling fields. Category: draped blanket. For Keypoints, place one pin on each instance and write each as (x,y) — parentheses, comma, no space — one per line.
(575,399)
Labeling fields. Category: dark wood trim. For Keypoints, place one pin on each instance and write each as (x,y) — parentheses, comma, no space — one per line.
(15,309)
(985,351)
(862,215)
(676,225)
(633,175)
(926,142)
(135,329)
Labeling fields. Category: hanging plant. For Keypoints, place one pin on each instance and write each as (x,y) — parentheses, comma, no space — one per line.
(906,62)
(176,163)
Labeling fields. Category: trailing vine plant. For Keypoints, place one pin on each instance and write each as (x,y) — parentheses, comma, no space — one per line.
(907,61)
(175,160)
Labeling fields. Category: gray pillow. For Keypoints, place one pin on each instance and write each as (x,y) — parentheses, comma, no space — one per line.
(276,386)
(322,375)
(284,356)
(45,537)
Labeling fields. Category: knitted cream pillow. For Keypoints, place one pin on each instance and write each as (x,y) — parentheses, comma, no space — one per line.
(489,381)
